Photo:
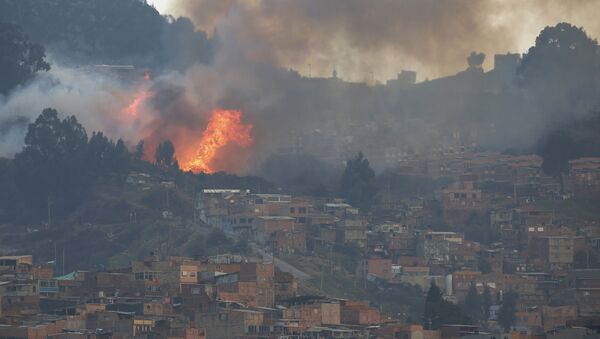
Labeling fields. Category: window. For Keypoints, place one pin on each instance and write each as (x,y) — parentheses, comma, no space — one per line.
(153,288)
(302,210)
(47,283)
(150,276)
(292,210)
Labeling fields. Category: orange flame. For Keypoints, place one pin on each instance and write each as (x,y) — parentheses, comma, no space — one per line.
(224,127)
(132,110)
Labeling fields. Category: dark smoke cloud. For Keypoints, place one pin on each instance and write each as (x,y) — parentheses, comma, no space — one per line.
(256,40)
(364,39)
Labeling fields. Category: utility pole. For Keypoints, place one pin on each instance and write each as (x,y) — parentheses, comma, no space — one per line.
(322,278)
(49,211)
(55,257)
(331,262)
(167,199)
(63,261)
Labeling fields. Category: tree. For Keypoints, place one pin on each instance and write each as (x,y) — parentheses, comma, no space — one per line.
(475,60)
(139,150)
(484,265)
(99,149)
(53,166)
(508,309)
(486,301)
(439,311)
(164,154)
(196,247)
(431,314)
(473,303)
(358,182)
(20,59)
(9,191)
(110,31)
(562,70)
(556,149)
(120,158)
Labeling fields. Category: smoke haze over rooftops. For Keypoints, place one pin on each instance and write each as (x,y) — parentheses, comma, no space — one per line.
(363,40)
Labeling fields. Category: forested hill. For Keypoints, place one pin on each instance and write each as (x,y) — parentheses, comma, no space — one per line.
(109,31)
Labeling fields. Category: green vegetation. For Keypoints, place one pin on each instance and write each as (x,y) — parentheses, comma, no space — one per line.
(486,300)
(439,311)
(358,183)
(109,31)
(165,155)
(473,304)
(58,166)
(508,308)
(20,59)
(215,242)
(402,299)
(561,72)
(71,193)
(484,265)
(347,255)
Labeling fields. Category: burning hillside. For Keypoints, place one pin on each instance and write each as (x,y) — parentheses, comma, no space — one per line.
(208,152)
(224,127)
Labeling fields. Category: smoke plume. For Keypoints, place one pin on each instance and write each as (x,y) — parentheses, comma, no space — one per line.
(375,39)
(255,43)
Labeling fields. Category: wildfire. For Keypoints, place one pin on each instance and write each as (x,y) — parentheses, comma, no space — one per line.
(132,110)
(224,127)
